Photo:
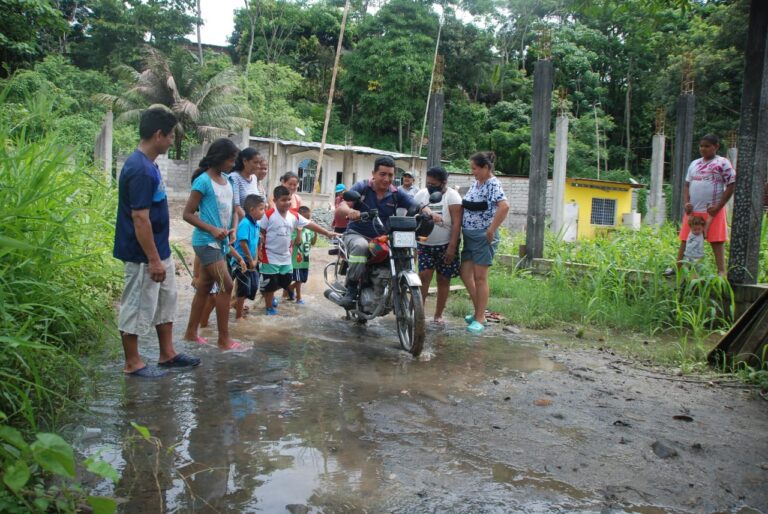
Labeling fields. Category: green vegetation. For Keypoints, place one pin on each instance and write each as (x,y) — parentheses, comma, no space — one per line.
(617,62)
(57,277)
(41,476)
(619,288)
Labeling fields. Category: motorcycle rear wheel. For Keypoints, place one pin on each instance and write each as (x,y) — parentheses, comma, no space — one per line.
(410,319)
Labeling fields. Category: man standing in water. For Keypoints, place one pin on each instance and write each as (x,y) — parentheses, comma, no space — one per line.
(141,242)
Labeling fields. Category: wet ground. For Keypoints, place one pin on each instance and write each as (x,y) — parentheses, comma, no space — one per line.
(323,415)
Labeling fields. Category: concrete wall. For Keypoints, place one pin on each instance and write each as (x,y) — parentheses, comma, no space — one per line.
(176,174)
(516,189)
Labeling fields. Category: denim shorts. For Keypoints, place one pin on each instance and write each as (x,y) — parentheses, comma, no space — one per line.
(208,254)
(476,247)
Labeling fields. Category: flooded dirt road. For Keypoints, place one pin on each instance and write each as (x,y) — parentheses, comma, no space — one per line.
(323,415)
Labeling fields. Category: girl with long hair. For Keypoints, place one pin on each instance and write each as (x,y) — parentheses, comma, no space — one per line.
(212,196)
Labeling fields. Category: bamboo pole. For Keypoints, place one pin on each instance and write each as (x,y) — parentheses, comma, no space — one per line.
(318,180)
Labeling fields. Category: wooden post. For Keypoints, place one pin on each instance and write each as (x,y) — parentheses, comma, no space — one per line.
(744,258)
(683,150)
(537,178)
(436,111)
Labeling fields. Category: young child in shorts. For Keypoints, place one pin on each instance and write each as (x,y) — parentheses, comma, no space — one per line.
(246,243)
(694,247)
(302,243)
(276,228)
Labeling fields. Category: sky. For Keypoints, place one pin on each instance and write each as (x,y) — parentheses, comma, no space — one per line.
(219,21)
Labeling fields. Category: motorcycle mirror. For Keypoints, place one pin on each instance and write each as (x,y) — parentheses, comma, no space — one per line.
(435,197)
(351,196)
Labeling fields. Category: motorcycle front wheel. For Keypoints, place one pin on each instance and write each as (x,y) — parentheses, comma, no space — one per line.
(410,319)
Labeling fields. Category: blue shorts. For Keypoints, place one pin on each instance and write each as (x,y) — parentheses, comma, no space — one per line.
(433,257)
(247,282)
(301,275)
(476,247)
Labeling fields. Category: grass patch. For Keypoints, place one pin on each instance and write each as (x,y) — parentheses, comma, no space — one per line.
(612,299)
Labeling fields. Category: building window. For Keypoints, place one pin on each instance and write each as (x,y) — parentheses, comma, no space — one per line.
(603,212)
(306,172)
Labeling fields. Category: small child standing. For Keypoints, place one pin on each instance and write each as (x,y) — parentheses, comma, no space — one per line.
(694,247)
(302,244)
(246,242)
(276,263)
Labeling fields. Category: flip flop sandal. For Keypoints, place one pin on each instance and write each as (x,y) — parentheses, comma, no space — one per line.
(201,340)
(235,347)
(148,372)
(494,317)
(181,360)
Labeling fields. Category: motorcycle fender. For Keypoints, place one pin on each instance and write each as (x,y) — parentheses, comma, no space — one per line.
(411,278)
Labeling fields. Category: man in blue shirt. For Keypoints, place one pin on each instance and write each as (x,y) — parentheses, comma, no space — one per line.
(141,242)
(378,193)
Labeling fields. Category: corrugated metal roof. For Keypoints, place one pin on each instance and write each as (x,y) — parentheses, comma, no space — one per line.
(339,148)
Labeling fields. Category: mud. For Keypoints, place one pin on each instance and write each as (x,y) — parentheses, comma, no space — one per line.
(323,415)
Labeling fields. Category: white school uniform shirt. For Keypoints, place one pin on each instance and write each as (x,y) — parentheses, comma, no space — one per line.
(277,236)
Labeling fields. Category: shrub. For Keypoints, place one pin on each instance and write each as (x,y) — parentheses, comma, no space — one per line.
(57,277)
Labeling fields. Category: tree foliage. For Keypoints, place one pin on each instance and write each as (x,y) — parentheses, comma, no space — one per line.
(202,106)
(618,60)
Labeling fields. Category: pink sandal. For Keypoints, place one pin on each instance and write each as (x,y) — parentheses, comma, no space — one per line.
(236,347)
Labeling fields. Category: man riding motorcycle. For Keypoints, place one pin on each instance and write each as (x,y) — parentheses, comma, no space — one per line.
(377,193)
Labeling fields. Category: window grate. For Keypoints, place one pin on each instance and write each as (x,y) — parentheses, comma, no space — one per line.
(603,212)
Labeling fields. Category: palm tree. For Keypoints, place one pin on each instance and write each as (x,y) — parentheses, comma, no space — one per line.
(209,107)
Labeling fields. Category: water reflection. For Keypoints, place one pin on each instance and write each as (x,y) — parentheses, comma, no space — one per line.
(282,424)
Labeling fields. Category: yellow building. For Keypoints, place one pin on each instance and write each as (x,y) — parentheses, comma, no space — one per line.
(596,205)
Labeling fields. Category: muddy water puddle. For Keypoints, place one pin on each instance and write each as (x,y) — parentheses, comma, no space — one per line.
(287,424)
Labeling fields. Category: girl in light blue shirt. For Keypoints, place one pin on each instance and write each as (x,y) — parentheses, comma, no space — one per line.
(211,210)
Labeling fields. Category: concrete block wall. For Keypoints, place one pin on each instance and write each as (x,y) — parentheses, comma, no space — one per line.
(176,175)
(516,189)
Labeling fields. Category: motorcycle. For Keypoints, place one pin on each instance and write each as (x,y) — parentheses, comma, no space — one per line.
(390,284)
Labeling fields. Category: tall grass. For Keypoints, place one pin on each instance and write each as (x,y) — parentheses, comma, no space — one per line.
(57,277)
(622,288)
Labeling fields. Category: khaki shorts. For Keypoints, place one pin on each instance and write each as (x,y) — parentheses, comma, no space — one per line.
(146,303)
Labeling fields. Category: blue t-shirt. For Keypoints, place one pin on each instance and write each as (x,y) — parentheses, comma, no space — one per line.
(208,210)
(248,230)
(386,206)
(141,187)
